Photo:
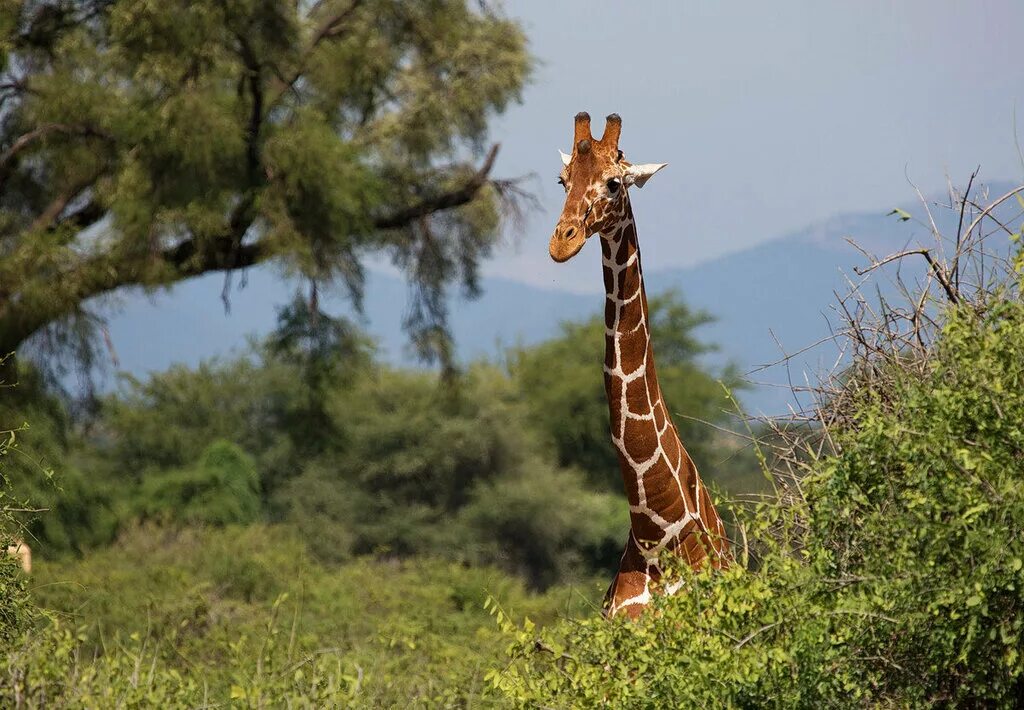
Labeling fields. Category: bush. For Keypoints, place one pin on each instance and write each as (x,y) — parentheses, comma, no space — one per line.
(81,511)
(257,402)
(221,489)
(896,579)
(452,472)
(15,607)
(195,617)
(544,524)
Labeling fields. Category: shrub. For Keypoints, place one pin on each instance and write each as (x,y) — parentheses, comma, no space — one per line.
(81,511)
(544,524)
(215,616)
(221,489)
(892,575)
(15,606)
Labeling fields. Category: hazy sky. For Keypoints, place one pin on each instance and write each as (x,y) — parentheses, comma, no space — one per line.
(771,115)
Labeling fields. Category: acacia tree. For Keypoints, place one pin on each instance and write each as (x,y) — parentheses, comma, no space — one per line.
(144,142)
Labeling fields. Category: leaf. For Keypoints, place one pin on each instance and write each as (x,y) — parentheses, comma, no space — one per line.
(903,215)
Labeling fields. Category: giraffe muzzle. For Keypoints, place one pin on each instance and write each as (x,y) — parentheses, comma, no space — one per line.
(566,243)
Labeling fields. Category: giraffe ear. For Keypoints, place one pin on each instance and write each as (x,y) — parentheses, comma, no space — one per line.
(565,158)
(639,174)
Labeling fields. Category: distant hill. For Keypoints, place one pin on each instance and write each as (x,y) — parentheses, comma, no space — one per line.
(779,297)
(780,290)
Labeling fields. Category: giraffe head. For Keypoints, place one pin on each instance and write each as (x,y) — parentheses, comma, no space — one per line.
(595,177)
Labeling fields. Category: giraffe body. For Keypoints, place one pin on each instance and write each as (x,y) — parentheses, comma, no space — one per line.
(670,509)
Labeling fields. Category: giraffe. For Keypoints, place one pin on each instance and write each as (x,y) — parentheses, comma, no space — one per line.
(669,507)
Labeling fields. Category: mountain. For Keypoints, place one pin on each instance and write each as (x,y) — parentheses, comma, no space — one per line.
(773,296)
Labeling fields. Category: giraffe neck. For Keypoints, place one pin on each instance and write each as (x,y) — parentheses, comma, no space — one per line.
(666,498)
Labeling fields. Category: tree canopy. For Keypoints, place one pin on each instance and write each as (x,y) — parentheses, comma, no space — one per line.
(142,143)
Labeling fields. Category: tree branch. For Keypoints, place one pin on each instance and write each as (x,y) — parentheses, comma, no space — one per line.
(97,275)
(100,274)
(940,273)
(331,28)
(49,217)
(444,201)
(253,70)
(8,157)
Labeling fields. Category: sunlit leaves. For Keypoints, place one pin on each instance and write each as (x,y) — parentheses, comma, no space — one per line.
(901,588)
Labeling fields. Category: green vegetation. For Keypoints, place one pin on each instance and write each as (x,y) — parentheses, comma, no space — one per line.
(211,136)
(194,616)
(16,608)
(307,526)
(221,489)
(304,523)
(432,542)
(892,575)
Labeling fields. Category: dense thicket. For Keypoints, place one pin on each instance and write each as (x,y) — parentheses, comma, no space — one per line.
(310,430)
(891,573)
(245,616)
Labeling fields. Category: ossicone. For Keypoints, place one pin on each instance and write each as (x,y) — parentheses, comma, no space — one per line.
(581,127)
(612,129)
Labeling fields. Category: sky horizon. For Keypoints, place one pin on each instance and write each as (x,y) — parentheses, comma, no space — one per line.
(770,118)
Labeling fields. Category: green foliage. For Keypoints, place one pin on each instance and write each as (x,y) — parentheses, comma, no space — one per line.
(407,457)
(164,422)
(208,136)
(271,402)
(245,615)
(561,385)
(543,524)
(220,490)
(15,606)
(425,468)
(360,458)
(80,510)
(941,457)
(896,581)
(396,494)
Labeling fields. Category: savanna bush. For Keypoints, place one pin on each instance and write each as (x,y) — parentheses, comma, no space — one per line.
(222,488)
(449,471)
(896,579)
(246,616)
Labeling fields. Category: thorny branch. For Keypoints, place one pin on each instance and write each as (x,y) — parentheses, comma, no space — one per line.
(882,332)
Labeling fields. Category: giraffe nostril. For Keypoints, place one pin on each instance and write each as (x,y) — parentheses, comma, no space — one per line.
(569,232)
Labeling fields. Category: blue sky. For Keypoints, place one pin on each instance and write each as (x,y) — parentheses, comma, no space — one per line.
(770,115)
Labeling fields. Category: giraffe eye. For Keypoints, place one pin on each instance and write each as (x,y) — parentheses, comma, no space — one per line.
(561,182)
(613,185)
